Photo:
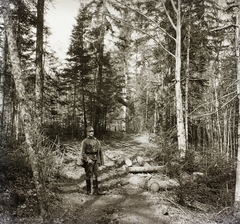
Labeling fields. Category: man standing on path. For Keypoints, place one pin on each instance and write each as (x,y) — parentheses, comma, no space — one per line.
(93,158)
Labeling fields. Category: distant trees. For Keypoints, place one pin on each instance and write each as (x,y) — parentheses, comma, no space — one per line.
(89,69)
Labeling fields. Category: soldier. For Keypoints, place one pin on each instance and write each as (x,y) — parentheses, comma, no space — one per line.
(93,158)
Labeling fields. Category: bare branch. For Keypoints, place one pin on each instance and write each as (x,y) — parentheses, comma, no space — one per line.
(140,13)
(224,27)
(212,102)
(203,115)
(174,7)
(142,31)
(169,17)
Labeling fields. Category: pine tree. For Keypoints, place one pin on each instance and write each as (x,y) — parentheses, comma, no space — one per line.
(90,67)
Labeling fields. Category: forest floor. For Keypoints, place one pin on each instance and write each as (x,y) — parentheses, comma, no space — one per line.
(127,200)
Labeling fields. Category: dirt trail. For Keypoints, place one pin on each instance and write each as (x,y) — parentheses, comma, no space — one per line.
(125,201)
(128,199)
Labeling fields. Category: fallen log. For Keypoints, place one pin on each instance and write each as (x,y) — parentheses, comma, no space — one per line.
(144,169)
(155,185)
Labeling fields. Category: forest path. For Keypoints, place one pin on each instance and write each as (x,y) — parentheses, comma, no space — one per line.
(125,201)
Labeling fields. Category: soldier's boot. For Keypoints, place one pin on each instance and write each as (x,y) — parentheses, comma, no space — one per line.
(88,185)
(96,189)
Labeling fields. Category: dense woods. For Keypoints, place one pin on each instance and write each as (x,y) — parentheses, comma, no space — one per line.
(169,69)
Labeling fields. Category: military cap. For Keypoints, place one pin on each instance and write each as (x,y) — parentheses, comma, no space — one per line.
(90,128)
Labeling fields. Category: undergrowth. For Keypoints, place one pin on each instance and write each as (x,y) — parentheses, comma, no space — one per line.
(204,178)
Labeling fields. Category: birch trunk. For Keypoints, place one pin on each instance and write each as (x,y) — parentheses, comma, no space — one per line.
(125,33)
(155,113)
(178,93)
(187,82)
(179,107)
(25,116)
(220,145)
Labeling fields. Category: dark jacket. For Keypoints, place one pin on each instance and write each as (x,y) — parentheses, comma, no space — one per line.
(91,150)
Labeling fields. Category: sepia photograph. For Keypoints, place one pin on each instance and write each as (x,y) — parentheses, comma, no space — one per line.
(119,111)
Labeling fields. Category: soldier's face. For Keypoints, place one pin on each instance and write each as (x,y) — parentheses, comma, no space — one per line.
(90,133)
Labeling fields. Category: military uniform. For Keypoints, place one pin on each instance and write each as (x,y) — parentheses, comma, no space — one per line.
(93,158)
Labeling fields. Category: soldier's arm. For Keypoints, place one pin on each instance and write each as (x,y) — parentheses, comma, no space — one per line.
(84,155)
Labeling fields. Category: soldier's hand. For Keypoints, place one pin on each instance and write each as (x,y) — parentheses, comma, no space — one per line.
(101,167)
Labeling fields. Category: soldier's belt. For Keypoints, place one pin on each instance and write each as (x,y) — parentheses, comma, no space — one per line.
(92,153)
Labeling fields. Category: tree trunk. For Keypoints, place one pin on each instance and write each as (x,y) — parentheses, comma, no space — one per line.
(155,124)
(124,116)
(237,188)
(225,134)
(83,106)
(2,90)
(100,59)
(125,34)
(219,128)
(74,117)
(178,93)
(27,121)
(179,106)
(39,83)
(187,80)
